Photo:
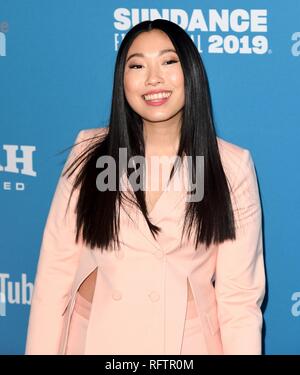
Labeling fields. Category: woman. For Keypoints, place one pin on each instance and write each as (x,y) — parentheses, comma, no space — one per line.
(127,270)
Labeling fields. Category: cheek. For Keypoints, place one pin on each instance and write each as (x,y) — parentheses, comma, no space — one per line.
(131,84)
(177,79)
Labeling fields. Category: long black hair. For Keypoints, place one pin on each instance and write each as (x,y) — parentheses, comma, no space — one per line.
(98,211)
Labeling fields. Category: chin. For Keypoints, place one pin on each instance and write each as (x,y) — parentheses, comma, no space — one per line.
(156,118)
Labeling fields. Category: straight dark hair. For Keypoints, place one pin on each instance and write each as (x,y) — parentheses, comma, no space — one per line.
(98,211)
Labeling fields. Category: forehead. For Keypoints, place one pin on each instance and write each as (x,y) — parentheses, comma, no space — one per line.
(149,42)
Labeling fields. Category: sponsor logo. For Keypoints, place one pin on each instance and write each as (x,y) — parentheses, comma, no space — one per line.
(295,50)
(231,31)
(3,31)
(12,163)
(14,292)
(295,310)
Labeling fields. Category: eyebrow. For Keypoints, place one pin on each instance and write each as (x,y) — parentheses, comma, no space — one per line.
(159,54)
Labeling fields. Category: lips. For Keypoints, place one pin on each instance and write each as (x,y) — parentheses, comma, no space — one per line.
(157,98)
(156,102)
(156,92)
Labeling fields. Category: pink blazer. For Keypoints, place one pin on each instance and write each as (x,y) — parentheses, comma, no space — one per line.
(140,297)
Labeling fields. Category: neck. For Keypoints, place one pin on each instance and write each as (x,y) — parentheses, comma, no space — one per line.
(161,138)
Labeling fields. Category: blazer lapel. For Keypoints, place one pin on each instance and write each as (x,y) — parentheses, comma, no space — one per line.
(172,195)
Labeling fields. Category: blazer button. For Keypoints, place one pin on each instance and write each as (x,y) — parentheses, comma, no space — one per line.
(116,294)
(159,254)
(154,296)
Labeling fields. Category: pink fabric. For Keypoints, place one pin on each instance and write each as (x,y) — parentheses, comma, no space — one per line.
(192,343)
(193,339)
(82,306)
(78,326)
(232,319)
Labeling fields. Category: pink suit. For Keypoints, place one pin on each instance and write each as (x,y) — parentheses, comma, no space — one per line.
(140,297)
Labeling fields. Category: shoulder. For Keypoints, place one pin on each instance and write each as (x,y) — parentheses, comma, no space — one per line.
(92,133)
(84,139)
(240,172)
(87,137)
(230,153)
(235,159)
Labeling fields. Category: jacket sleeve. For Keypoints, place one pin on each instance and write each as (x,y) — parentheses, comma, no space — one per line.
(59,255)
(240,273)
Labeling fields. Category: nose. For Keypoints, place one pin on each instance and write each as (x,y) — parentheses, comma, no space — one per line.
(153,76)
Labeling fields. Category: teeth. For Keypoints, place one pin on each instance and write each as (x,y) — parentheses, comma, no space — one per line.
(159,95)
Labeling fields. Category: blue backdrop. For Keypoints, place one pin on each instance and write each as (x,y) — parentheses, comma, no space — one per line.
(56,71)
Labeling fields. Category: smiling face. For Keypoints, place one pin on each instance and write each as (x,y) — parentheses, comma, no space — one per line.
(152,65)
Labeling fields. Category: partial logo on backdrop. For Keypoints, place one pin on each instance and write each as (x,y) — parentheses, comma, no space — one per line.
(295,310)
(3,32)
(17,160)
(295,50)
(223,31)
(14,292)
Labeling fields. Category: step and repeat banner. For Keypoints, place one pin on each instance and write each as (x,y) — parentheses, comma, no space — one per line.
(56,69)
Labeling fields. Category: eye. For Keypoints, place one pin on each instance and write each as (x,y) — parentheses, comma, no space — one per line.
(138,66)
(171,62)
(134,66)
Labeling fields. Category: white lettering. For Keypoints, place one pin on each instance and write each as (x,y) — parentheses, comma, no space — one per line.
(27,290)
(12,160)
(122,21)
(2,304)
(225,20)
(259,20)
(2,44)
(239,20)
(180,17)
(18,186)
(14,292)
(295,310)
(296,46)
(197,21)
